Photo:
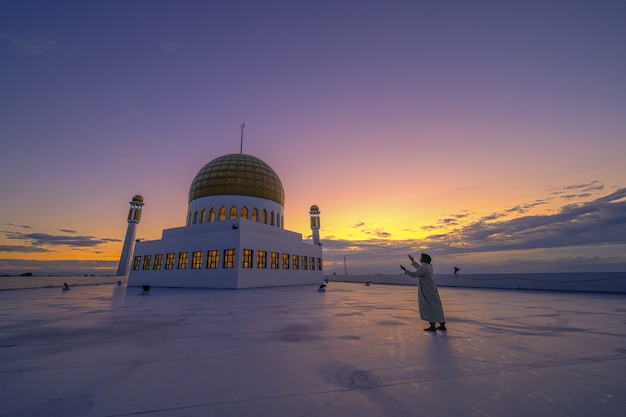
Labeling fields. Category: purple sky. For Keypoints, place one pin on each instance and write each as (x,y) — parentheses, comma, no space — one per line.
(490,134)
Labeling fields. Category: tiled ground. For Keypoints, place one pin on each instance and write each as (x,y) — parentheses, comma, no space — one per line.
(351,351)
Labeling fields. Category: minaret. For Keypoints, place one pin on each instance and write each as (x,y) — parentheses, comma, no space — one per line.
(134,215)
(315,224)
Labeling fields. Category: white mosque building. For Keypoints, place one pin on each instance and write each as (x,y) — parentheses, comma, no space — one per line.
(234,235)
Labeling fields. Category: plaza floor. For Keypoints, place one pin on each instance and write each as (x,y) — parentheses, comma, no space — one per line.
(354,350)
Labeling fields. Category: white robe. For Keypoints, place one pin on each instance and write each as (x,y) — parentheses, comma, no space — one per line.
(428,299)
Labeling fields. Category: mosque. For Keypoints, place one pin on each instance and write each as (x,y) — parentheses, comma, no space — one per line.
(234,236)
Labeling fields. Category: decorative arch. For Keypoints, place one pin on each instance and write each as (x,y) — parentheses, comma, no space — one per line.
(244,212)
(212,215)
(255,214)
(233,212)
(222,213)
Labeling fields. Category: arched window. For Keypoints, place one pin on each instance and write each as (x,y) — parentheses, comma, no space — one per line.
(255,215)
(203,216)
(212,214)
(244,212)
(264,216)
(233,212)
(272,218)
(222,213)
(189,218)
(195,216)
(278,220)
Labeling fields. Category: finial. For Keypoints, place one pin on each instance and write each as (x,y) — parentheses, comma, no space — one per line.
(241,142)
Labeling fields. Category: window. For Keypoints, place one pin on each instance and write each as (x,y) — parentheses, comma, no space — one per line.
(285,261)
(295,259)
(212,215)
(255,215)
(196,260)
(261,259)
(212,260)
(304,263)
(189,218)
(274,260)
(158,261)
(183,257)
(229,258)
(319,264)
(278,220)
(233,212)
(312,263)
(169,261)
(136,263)
(244,212)
(272,218)
(222,213)
(203,216)
(146,262)
(195,216)
(264,216)
(246,258)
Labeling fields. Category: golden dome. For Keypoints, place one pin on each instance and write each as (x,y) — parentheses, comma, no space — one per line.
(315,208)
(237,174)
(138,198)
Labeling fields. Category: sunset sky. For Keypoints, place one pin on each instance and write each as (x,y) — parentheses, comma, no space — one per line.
(490,134)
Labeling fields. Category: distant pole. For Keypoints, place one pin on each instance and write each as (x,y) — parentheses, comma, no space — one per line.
(345,266)
(241,142)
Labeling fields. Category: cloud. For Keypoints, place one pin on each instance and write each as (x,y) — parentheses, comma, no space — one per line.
(585,189)
(65,267)
(67,231)
(357,225)
(23,226)
(380,233)
(22,249)
(601,221)
(44,239)
(593,224)
(32,46)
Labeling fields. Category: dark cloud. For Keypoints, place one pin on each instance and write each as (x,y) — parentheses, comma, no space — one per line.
(95,267)
(600,222)
(22,249)
(382,233)
(44,239)
(523,208)
(67,231)
(358,224)
(585,189)
(449,222)
(23,226)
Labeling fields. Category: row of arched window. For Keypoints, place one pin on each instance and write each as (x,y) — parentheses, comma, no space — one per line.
(211,260)
(213,214)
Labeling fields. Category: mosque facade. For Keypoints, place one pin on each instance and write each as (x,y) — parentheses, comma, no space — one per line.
(234,235)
